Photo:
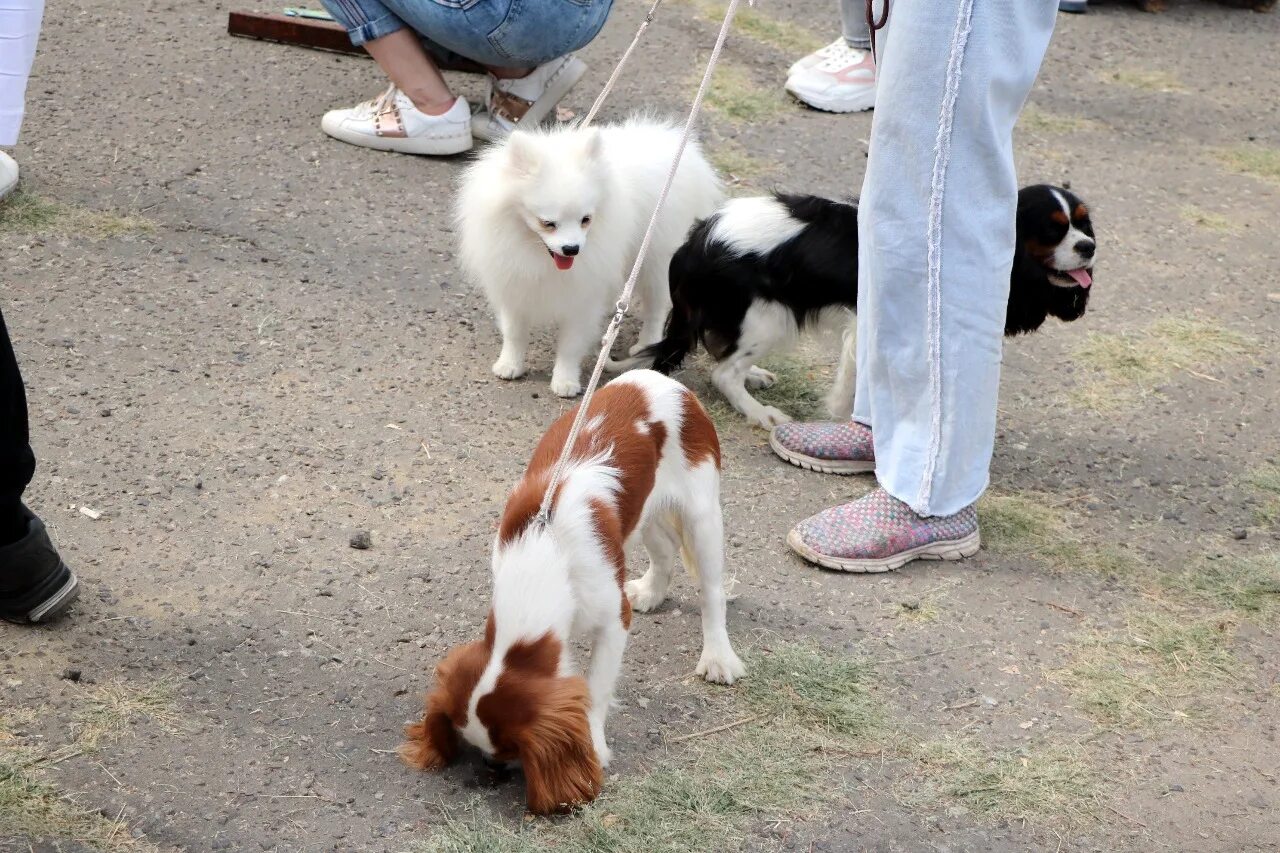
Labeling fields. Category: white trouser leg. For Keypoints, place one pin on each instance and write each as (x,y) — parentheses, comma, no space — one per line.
(19,31)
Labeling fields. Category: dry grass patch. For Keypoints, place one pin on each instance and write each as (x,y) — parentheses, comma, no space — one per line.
(1033,525)
(1122,368)
(1207,219)
(756,25)
(739,168)
(771,768)
(1248,586)
(1266,481)
(112,708)
(32,808)
(736,97)
(1160,668)
(24,213)
(1252,160)
(799,391)
(1033,784)
(1035,120)
(1144,79)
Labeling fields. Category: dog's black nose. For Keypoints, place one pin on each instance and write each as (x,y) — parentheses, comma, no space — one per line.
(1085,248)
(569,251)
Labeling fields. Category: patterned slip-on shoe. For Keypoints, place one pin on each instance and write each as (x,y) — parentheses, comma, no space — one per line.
(879,533)
(841,447)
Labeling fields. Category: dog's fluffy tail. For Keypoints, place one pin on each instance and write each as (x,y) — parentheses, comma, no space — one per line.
(679,339)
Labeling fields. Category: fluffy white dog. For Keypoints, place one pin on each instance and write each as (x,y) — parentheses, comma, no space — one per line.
(551,221)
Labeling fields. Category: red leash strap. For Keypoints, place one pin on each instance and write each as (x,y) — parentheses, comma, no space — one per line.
(873,24)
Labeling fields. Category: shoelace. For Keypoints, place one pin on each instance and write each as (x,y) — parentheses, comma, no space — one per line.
(379,105)
(841,57)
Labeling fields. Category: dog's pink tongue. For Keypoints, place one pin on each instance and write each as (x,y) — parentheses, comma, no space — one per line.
(1082,277)
(563,262)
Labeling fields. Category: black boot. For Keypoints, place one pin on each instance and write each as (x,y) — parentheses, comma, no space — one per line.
(35,585)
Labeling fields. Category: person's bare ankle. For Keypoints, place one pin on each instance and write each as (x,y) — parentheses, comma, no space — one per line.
(432,106)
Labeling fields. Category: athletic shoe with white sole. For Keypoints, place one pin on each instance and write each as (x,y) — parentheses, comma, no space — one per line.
(879,533)
(816,57)
(526,100)
(8,174)
(843,82)
(828,447)
(35,585)
(391,122)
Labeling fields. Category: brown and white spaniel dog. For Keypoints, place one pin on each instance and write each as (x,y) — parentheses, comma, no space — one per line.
(646,463)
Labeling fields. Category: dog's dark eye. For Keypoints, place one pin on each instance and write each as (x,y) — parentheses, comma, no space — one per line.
(586,220)
(547,224)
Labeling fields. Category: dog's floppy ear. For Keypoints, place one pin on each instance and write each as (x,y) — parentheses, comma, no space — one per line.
(591,143)
(522,160)
(561,769)
(433,743)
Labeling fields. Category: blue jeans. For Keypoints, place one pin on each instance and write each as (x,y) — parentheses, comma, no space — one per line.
(498,33)
(936,239)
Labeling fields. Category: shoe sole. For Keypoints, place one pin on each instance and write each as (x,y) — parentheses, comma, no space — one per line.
(430,145)
(559,86)
(843,467)
(58,602)
(833,105)
(953,549)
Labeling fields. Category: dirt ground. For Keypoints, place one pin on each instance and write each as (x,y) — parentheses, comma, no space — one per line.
(244,342)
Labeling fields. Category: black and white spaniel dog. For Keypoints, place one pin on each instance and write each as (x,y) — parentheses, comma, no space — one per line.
(761,270)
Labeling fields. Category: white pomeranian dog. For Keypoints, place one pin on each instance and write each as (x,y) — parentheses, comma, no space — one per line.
(551,221)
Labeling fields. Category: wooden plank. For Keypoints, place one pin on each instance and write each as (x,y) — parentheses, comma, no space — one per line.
(318,35)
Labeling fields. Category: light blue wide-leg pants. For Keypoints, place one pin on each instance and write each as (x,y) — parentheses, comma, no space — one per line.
(936,239)
(19,31)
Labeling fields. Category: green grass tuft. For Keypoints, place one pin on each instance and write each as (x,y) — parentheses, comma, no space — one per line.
(1252,160)
(1249,586)
(1029,784)
(736,97)
(1120,369)
(1029,525)
(739,168)
(799,391)
(783,36)
(1161,668)
(1266,480)
(23,213)
(802,685)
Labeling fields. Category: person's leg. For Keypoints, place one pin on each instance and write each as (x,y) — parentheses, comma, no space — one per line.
(35,584)
(936,238)
(19,32)
(17,462)
(853,24)
(418,114)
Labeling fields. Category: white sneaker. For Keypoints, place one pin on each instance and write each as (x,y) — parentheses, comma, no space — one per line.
(816,57)
(527,100)
(844,82)
(8,174)
(392,123)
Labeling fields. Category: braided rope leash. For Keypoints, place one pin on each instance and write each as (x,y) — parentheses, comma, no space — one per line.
(617,69)
(624,300)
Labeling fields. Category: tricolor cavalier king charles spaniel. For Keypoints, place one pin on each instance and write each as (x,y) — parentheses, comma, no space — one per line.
(760,271)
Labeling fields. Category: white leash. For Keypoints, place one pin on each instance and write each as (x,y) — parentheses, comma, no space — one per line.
(617,69)
(624,300)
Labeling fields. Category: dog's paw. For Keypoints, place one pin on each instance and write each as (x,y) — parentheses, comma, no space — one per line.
(771,417)
(508,368)
(642,596)
(722,667)
(758,378)
(604,754)
(562,387)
